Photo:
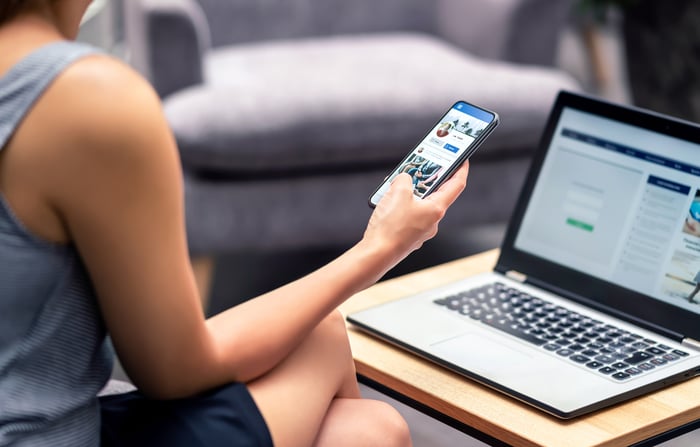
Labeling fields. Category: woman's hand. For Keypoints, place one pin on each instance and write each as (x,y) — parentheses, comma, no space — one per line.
(401,222)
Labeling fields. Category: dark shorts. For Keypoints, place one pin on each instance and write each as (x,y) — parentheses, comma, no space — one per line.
(226,416)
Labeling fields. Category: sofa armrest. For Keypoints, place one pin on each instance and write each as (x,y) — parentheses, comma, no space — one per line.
(523,31)
(167,40)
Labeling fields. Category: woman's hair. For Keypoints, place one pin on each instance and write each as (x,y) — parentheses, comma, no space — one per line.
(9,8)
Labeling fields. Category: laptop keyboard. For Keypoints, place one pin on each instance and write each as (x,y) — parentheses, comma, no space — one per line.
(600,347)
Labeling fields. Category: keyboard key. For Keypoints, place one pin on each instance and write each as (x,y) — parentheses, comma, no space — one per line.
(670,357)
(680,353)
(551,346)
(578,358)
(658,361)
(605,359)
(594,364)
(633,371)
(619,365)
(590,352)
(638,357)
(454,304)
(565,352)
(621,376)
(607,370)
(645,366)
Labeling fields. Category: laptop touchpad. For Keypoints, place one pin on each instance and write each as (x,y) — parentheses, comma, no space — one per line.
(477,349)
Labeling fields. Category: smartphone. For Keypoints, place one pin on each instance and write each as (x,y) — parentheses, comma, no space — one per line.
(450,143)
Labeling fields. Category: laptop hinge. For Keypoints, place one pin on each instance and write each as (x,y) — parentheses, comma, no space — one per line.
(687,341)
(516,276)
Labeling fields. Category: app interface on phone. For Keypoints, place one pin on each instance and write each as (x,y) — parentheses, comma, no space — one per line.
(432,157)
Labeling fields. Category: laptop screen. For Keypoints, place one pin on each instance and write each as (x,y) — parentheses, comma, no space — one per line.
(620,203)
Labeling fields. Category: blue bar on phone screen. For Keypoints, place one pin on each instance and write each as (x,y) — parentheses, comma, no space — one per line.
(475,112)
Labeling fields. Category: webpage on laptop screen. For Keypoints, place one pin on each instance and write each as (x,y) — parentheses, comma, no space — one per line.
(620,203)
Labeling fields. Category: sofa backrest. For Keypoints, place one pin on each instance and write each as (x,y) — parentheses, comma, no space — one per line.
(257,20)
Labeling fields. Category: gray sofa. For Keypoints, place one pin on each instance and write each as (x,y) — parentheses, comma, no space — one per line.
(288,113)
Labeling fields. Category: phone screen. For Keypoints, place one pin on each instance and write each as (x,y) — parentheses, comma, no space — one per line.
(452,140)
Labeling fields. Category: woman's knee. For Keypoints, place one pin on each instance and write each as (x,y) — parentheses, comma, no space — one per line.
(390,428)
(334,320)
(363,422)
(333,328)
(393,428)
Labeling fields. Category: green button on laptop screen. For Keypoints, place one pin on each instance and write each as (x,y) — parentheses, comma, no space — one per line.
(579,224)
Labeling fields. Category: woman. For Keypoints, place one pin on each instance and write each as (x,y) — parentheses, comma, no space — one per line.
(92,241)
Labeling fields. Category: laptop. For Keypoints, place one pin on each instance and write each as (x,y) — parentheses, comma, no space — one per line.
(594,299)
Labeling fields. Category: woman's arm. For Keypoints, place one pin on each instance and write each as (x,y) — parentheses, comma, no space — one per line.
(278,320)
(116,183)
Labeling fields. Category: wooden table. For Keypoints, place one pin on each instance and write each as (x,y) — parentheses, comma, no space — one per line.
(500,420)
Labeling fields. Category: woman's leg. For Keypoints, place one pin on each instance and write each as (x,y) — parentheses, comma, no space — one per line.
(362,422)
(313,397)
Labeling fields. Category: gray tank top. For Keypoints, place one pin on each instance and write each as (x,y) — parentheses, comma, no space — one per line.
(54,356)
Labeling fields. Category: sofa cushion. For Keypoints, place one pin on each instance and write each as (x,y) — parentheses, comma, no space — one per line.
(347,101)
(289,19)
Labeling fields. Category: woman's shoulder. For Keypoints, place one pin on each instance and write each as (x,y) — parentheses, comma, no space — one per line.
(100,79)
(100,99)
(101,115)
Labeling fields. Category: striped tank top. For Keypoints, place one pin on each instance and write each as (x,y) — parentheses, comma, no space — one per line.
(54,356)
